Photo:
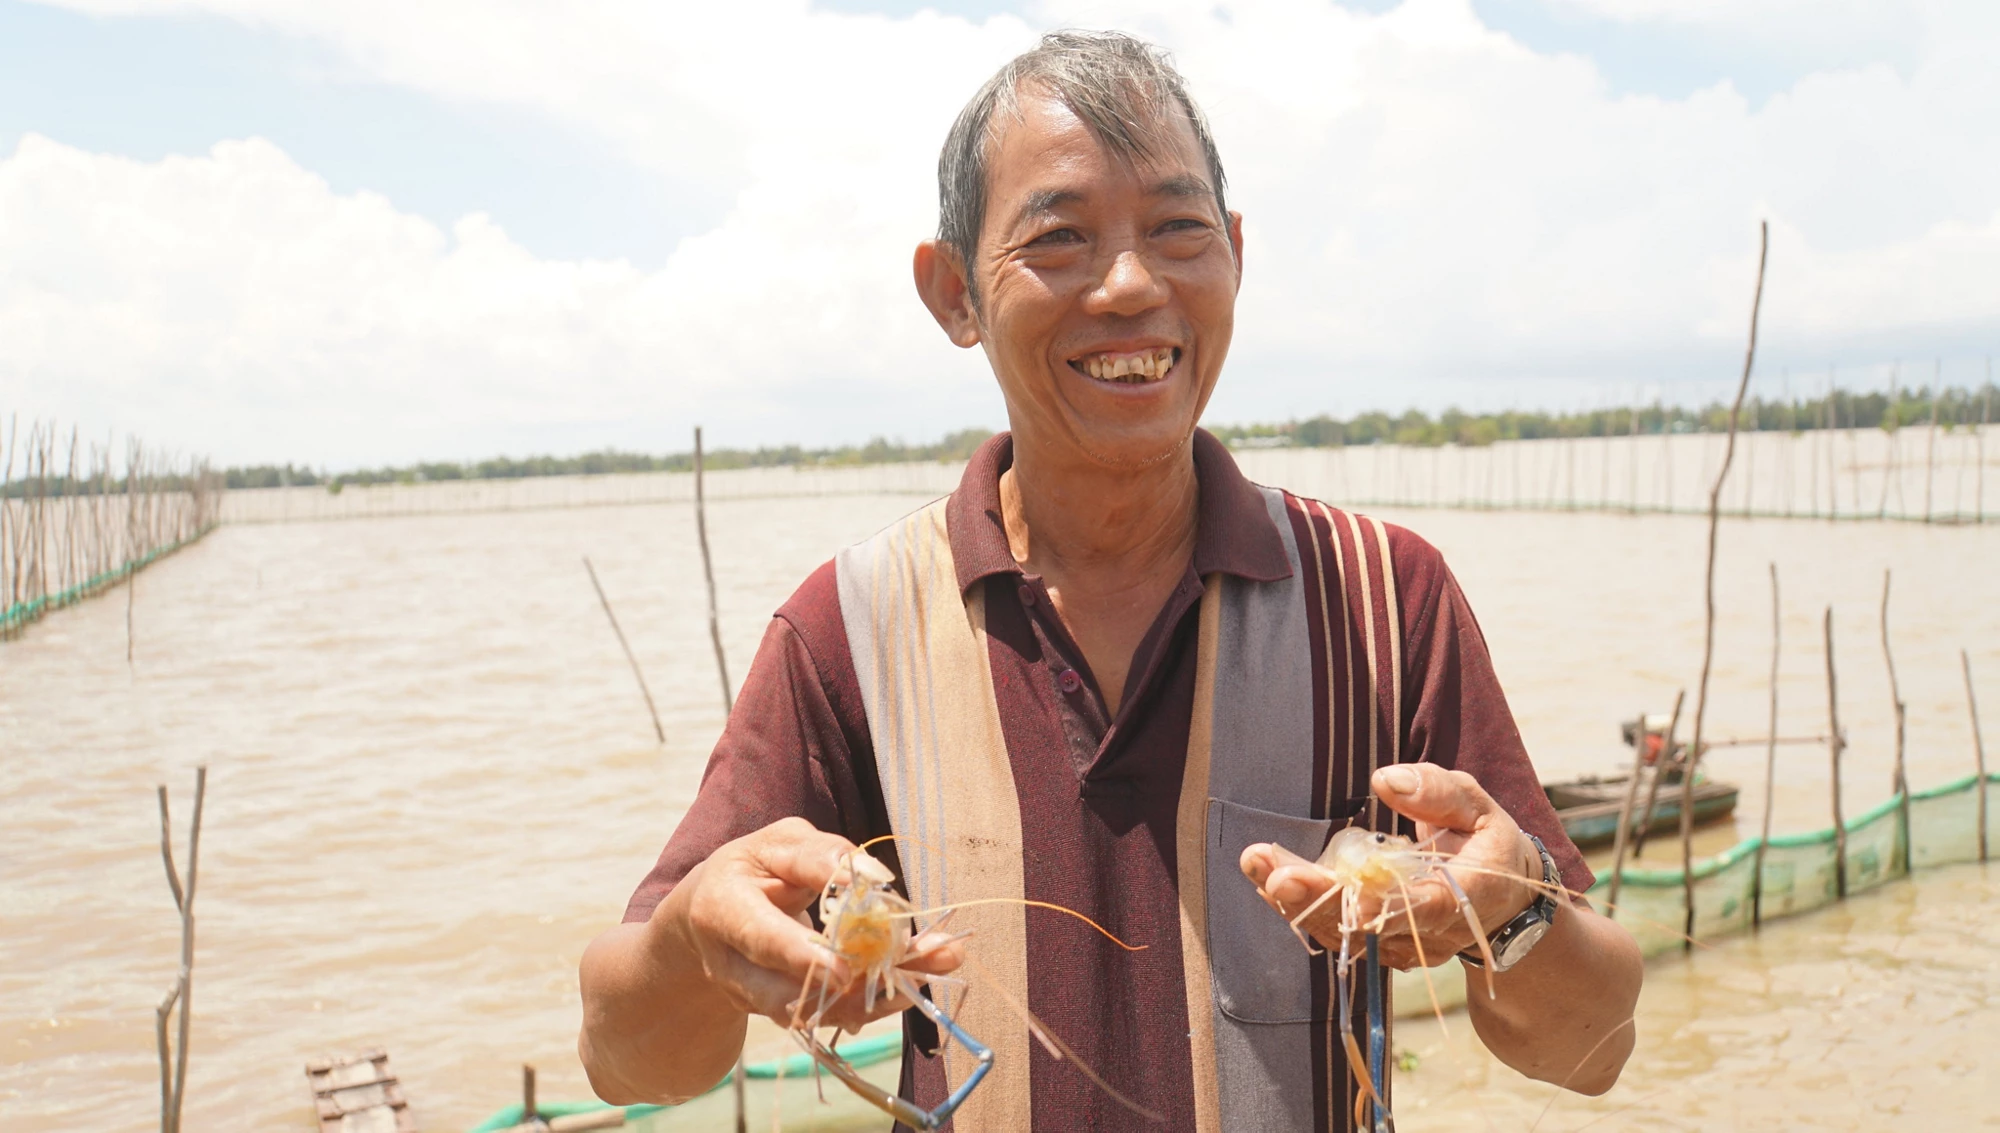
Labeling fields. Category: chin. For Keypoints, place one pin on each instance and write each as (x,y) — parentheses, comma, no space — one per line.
(1135,445)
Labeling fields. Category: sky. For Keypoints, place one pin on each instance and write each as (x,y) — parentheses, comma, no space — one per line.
(373,232)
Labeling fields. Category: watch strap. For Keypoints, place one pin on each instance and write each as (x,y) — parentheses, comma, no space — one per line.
(1541,910)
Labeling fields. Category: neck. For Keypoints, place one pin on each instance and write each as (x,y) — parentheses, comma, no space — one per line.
(1076,521)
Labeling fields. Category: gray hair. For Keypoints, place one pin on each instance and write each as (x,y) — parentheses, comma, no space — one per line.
(1125,90)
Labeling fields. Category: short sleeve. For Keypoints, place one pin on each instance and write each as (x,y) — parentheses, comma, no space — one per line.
(785,752)
(1455,714)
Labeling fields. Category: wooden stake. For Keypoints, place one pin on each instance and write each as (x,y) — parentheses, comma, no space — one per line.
(1770,765)
(708,573)
(1900,781)
(1708,637)
(173,1090)
(531,1113)
(1930,441)
(1639,738)
(1645,825)
(1835,743)
(627,647)
(1978,748)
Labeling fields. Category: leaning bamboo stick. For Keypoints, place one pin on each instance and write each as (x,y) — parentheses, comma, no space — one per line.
(1659,773)
(630,659)
(1978,747)
(1770,765)
(1835,743)
(1900,779)
(1708,637)
(722,670)
(1625,811)
(708,574)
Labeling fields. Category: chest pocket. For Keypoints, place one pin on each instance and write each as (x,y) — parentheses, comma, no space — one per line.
(1261,973)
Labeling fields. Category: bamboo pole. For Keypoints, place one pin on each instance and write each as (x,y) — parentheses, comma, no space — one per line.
(1770,764)
(173,1091)
(1659,772)
(722,671)
(708,574)
(1978,747)
(1634,477)
(1900,780)
(1708,636)
(1930,440)
(1835,744)
(627,647)
(1625,811)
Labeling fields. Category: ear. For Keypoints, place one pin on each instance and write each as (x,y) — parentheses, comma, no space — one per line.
(941,283)
(1236,244)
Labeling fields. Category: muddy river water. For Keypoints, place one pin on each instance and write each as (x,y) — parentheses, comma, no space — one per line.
(432,781)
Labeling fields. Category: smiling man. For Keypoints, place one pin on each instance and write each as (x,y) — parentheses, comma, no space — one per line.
(1110,674)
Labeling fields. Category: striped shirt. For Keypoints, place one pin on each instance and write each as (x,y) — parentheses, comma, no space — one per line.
(1098,792)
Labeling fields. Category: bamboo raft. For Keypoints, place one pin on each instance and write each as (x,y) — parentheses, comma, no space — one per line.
(359,1095)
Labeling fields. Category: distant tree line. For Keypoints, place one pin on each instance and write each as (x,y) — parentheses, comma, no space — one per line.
(955,446)
(1842,410)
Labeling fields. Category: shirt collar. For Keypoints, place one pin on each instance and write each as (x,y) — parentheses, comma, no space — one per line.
(1233,534)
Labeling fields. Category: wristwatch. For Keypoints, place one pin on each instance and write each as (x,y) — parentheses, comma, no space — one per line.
(1518,937)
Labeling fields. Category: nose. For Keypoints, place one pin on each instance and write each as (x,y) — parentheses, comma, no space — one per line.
(1129,287)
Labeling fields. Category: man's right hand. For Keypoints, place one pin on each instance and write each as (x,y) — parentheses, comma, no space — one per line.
(665,1002)
(742,912)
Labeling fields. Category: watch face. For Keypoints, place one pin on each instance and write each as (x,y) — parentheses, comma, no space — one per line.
(1516,949)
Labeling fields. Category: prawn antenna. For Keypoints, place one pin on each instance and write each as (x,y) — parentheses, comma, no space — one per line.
(917,842)
(1061,1051)
(1105,932)
(1567,1078)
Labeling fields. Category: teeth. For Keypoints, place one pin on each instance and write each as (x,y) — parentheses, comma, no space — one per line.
(1131,369)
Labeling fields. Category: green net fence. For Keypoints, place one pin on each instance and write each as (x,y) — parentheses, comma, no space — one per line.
(1801,872)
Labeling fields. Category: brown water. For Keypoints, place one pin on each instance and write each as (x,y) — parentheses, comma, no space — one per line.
(432,782)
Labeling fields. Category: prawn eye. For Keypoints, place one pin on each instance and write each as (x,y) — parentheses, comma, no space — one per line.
(1380,837)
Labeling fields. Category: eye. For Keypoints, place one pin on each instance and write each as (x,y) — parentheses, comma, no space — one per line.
(1381,838)
(1056,237)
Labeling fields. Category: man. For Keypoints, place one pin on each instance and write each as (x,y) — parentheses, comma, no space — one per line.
(1108,673)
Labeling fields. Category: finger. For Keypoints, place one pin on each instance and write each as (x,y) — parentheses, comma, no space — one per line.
(1431,794)
(935,954)
(733,909)
(1290,879)
(798,855)
(1256,862)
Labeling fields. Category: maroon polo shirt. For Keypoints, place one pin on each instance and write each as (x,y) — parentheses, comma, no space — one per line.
(1098,793)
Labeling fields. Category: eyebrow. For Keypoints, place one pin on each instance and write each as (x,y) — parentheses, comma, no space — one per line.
(1046,200)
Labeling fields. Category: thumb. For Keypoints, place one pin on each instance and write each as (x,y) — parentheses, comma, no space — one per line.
(800,858)
(1444,799)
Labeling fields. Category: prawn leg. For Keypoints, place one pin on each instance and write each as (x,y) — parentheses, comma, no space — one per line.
(982,1059)
(889,1103)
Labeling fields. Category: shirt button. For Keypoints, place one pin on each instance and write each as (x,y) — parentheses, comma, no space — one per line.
(1069,680)
(1027,595)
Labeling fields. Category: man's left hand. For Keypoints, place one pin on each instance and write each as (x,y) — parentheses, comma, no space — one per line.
(1476,840)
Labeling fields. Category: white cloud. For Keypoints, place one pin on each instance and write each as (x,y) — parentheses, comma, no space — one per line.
(1434,211)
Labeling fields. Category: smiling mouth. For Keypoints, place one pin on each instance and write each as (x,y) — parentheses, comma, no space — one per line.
(1136,367)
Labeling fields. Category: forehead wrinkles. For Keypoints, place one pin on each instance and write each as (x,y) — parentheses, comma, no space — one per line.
(1065,173)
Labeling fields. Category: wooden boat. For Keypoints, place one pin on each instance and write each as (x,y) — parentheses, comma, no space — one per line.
(1589,806)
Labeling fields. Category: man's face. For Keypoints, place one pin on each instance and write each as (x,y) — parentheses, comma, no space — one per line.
(1108,289)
